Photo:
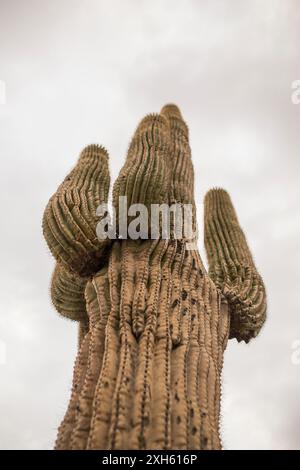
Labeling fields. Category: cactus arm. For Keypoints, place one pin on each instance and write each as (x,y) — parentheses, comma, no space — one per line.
(180,158)
(231,266)
(182,184)
(70,220)
(145,175)
(67,294)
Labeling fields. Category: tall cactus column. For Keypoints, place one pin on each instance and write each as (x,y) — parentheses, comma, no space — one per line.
(153,323)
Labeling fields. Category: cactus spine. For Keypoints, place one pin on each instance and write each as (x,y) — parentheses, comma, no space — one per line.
(153,324)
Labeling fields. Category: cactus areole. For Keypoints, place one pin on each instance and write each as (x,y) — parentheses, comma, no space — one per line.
(153,324)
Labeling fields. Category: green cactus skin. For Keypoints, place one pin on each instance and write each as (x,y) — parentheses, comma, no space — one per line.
(232,268)
(70,220)
(67,293)
(145,177)
(155,324)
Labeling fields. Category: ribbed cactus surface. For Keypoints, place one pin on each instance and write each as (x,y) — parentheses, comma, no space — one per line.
(231,266)
(153,323)
(70,220)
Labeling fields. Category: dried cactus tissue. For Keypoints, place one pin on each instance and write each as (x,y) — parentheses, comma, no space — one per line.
(153,323)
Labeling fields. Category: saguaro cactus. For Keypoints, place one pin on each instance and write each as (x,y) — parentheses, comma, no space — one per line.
(153,323)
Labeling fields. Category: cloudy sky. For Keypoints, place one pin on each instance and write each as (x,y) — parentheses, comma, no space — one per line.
(84,71)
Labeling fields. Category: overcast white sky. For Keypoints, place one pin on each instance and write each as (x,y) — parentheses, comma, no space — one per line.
(84,71)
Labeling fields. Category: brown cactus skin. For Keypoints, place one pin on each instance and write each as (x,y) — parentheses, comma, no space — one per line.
(147,375)
(83,330)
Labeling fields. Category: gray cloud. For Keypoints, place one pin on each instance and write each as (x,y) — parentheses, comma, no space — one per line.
(78,72)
